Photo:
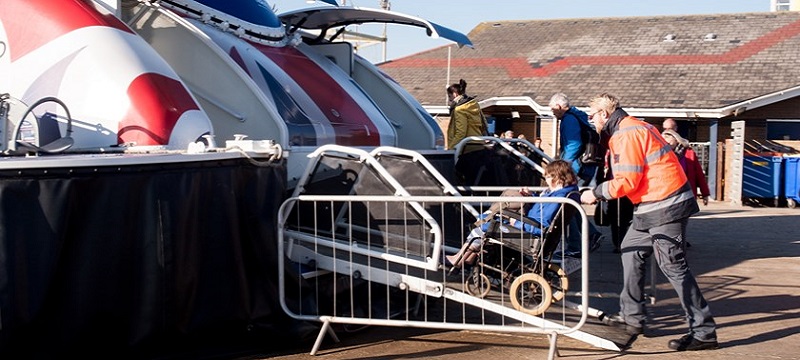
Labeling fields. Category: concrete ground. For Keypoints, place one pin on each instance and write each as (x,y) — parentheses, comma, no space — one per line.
(747,261)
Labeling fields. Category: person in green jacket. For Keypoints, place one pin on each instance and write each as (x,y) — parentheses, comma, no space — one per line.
(466,117)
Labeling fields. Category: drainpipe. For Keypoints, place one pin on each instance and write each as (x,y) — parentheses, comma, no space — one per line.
(713,128)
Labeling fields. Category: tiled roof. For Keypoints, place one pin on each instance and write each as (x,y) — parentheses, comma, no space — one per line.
(753,54)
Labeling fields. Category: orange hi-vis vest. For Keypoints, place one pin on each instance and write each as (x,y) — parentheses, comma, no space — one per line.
(648,172)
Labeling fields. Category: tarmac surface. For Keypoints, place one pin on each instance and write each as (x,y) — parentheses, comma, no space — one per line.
(746,260)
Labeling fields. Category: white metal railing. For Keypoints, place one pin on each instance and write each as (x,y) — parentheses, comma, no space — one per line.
(352,272)
(508,145)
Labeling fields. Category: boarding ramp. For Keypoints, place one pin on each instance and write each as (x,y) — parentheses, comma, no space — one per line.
(419,177)
(368,253)
(491,161)
(340,170)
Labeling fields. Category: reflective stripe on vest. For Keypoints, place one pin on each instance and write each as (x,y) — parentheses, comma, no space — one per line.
(644,166)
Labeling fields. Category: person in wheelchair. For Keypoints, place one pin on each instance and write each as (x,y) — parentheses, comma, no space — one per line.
(561,182)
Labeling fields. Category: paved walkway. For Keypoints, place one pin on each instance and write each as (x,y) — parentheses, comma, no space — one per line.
(747,261)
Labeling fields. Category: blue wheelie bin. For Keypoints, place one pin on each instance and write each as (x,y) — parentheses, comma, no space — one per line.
(761,177)
(791,166)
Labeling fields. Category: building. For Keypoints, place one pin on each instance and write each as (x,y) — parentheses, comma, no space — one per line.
(703,70)
(784,5)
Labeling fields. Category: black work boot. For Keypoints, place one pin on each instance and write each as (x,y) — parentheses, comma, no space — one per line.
(690,343)
(617,321)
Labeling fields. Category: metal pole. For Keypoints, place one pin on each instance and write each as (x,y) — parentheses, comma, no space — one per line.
(385,5)
(447,83)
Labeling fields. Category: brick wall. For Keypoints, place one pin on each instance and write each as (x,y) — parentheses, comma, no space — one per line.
(444,122)
(787,109)
(726,170)
(528,128)
(546,131)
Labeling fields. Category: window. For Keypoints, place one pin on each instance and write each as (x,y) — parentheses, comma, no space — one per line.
(781,5)
(783,129)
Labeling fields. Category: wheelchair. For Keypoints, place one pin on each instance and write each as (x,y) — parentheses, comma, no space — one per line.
(520,264)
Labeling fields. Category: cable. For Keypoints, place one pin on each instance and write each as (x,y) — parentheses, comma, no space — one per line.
(30,110)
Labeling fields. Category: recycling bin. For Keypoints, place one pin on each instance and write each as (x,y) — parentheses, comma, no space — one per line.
(761,177)
(791,188)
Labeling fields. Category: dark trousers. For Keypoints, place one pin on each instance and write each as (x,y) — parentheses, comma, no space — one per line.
(667,243)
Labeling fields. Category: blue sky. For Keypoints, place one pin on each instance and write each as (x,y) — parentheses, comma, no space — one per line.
(464,15)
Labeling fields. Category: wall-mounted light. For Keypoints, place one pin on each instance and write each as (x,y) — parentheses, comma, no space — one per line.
(669,37)
(515,114)
(710,37)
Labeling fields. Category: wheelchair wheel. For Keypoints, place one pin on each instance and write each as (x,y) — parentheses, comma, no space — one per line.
(478,284)
(557,279)
(531,294)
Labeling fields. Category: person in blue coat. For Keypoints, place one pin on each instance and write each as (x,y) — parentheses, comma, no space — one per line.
(570,138)
(561,182)
(571,149)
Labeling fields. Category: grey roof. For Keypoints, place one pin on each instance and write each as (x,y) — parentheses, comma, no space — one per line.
(752,54)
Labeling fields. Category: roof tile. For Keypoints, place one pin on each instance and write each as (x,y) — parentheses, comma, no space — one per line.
(753,54)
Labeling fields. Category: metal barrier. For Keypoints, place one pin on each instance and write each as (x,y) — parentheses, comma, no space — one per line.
(377,260)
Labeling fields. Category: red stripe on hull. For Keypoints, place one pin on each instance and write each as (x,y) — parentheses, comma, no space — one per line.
(157,102)
(352,125)
(30,24)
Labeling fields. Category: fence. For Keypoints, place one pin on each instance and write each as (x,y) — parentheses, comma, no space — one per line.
(377,260)
(702,149)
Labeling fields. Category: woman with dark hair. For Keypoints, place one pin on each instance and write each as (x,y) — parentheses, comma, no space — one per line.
(466,117)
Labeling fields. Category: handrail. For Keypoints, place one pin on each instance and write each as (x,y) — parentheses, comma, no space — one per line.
(459,148)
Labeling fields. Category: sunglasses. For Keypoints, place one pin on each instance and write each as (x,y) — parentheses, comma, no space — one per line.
(591,115)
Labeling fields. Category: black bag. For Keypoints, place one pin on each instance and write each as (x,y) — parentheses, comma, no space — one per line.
(592,150)
(591,154)
(601,216)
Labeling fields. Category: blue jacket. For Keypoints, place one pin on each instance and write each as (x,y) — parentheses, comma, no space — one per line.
(544,213)
(570,136)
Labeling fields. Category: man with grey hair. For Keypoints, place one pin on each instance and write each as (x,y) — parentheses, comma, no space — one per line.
(570,137)
(572,119)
